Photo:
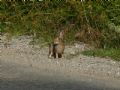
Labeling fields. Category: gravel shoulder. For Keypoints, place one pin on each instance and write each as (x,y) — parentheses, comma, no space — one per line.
(22,65)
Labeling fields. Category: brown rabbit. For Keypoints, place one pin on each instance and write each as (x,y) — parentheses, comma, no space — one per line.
(56,48)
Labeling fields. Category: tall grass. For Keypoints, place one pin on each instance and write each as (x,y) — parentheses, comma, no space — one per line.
(45,19)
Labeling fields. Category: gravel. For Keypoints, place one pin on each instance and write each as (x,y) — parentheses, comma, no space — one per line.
(20,49)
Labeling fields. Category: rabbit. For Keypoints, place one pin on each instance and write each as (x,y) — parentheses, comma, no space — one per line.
(59,47)
(56,48)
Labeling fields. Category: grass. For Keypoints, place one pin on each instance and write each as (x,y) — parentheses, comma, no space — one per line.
(112,53)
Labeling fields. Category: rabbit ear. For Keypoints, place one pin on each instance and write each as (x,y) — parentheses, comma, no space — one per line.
(61,34)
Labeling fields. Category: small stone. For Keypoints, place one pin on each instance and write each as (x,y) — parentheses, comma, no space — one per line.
(118,73)
(72,53)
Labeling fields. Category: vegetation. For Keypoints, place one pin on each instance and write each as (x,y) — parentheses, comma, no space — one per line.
(112,53)
(98,21)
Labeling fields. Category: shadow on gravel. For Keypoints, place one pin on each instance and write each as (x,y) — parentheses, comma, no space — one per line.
(50,85)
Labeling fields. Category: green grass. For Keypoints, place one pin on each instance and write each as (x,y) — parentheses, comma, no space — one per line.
(112,53)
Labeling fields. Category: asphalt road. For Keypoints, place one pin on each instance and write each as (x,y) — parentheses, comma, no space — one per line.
(20,77)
